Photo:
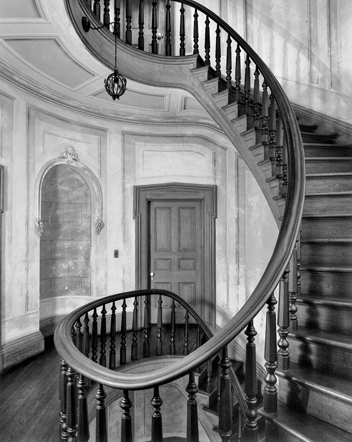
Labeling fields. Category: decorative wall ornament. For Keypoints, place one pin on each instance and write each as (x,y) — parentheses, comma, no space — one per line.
(39,227)
(99,225)
(70,155)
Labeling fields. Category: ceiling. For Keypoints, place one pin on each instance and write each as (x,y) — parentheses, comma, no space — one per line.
(41,53)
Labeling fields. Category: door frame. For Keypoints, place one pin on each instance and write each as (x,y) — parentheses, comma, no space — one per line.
(207,195)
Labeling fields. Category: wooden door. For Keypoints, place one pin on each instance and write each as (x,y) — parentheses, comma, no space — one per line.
(175,261)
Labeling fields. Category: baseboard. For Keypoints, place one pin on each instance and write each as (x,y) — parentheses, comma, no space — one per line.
(17,351)
(47,326)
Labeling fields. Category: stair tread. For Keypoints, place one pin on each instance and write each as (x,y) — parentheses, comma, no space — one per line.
(304,426)
(327,240)
(331,215)
(329,193)
(312,175)
(337,339)
(338,301)
(327,269)
(327,158)
(347,146)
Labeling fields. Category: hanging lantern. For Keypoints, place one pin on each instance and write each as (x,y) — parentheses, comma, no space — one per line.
(115,85)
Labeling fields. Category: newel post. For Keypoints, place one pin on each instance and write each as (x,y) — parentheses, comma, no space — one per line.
(225,405)
(270,390)
(192,410)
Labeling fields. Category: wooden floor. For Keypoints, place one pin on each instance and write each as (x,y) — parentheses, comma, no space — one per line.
(29,406)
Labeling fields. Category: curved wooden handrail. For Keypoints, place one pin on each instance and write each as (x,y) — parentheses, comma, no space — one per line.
(281,255)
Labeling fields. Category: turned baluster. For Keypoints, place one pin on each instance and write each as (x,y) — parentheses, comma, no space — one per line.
(186,334)
(283,321)
(225,405)
(251,386)
(195,32)
(128,22)
(173,328)
(207,42)
(157,424)
(85,342)
(134,348)
(265,119)
(101,430)
(126,422)
(229,62)
(123,333)
(159,324)
(146,328)
(209,375)
(218,52)
(247,86)
(270,355)
(106,16)
(102,359)
(284,172)
(71,418)
(182,32)
(78,334)
(272,133)
(256,99)
(141,25)
(168,29)
(82,411)
(279,146)
(154,28)
(192,410)
(238,74)
(112,355)
(95,336)
(294,284)
(117,27)
(96,9)
(63,400)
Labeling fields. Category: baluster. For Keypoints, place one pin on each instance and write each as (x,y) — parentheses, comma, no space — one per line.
(294,284)
(265,119)
(225,406)
(102,359)
(106,19)
(141,26)
(154,28)
(128,22)
(229,62)
(112,355)
(279,145)
(95,336)
(251,386)
(186,334)
(85,343)
(270,390)
(78,334)
(63,400)
(247,86)
(238,74)
(134,348)
(284,172)
(218,52)
(126,422)
(159,324)
(123,334)
(96,9)
(195,32)
(209,375)
(101,431)
(82,409)
(71,418)
(168,29)
(146,328)
(157,424)
(256,99)
(283,321)
(272,133)
(192,410)
(117,19)
(182,32)
(173,328)
(207,42)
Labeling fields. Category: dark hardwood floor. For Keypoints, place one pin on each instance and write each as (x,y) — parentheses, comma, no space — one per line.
(29,406)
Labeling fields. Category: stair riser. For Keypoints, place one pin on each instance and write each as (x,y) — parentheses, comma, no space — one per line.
(327,151)
(315,138)
(327,204)
(333,359)
(321,228)
(326,283)
(323,406)
(328,166)
(328,184)
(327,318)
(326,254)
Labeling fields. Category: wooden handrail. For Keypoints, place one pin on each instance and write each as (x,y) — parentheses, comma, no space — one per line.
(279,260)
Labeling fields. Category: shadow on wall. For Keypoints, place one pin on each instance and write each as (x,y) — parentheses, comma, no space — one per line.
(66,241)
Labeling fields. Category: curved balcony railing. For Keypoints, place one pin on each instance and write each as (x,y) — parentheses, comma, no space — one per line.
(274,121)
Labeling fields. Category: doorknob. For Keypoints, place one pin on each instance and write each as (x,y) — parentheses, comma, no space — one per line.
(152,274)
